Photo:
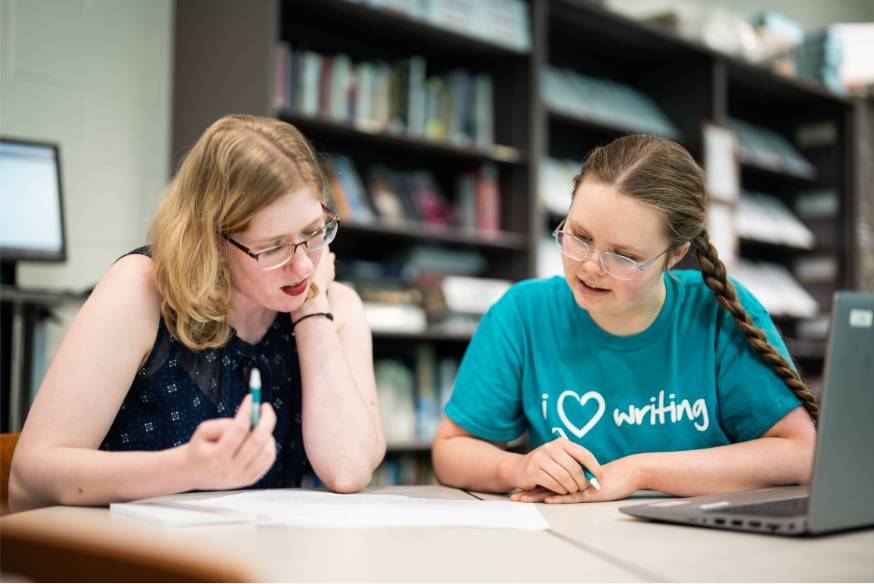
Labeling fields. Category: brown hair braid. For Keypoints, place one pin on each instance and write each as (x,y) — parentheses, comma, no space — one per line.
(663,175)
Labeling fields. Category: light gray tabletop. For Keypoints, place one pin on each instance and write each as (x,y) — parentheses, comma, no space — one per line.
(665,552)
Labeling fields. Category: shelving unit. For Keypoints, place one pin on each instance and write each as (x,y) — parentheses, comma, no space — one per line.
(225,64)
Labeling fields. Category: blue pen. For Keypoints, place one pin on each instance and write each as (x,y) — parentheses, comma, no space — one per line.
(255,392)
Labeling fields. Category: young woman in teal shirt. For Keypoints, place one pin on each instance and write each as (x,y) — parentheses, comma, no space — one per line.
(650,378)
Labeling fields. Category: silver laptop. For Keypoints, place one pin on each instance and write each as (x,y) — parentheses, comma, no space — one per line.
(839,496)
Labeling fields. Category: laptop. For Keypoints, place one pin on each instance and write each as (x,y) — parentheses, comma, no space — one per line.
(839,495)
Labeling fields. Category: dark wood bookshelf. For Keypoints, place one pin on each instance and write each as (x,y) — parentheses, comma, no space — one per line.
(796,179)
(374,136)
(411,447)
(421,232)
(426,336)
(584,124)
(760,83)
(807,349)
(769,249)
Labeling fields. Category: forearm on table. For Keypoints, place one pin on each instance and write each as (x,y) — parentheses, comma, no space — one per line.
(340,432)
(759,463)
(81,476)
(471,463)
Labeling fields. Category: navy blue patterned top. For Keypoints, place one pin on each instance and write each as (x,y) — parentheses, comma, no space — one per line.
(178,388)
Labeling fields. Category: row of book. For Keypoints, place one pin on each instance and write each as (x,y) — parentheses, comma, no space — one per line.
(763,217)
(396,196)
(412,393)
(455,106)
(604,101)
(447,304)
(502,22)
(768,148)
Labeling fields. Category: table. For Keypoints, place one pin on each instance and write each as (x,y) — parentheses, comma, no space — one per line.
(271,553)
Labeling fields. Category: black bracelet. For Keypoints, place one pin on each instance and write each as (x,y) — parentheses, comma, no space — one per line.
(327,315)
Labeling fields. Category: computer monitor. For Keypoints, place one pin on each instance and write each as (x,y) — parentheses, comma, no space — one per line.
(32,216)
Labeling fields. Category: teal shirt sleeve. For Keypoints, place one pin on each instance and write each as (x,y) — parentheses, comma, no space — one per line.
(752,397)
(487,398)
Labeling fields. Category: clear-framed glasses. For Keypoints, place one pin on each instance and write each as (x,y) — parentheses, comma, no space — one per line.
(616,265)
(277,256)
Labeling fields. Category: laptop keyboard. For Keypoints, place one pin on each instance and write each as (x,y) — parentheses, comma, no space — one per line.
(783,508)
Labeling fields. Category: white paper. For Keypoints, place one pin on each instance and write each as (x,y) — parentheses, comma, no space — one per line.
(328,510)
(179,514)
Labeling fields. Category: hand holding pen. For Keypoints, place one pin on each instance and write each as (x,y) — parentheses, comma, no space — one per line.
(561,466)
(231,453)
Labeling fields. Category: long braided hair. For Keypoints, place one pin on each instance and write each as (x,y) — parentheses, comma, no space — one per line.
(662,174)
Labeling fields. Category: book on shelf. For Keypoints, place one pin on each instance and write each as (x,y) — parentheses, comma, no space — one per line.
(325,85)
(503,22)
(396,196)
(455,304)
(388,317)
(768,148)
(427,402)
(412,392)
(463,294)
(430,203)
(400,97)
(817,204)
(604,101)
(395,385)
(347,189)
(390,205)
(776,288)
(816,268)
(281,75)
(488,199)
(429,259)
(763,217)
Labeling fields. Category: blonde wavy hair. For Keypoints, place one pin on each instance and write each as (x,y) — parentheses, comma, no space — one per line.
(240,165)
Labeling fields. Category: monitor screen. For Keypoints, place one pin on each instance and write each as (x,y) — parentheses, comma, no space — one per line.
(31,210)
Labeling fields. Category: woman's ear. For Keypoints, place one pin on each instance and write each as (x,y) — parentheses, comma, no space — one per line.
(679,254)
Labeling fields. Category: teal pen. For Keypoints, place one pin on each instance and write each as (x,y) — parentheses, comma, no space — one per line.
(592,479)
(255,392)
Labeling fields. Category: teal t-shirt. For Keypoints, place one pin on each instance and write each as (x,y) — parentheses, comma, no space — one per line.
(539,363)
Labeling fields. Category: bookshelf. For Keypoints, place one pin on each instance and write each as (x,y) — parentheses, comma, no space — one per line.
(686,85)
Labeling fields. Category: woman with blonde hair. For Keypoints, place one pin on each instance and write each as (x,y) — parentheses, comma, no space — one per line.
(148,393)
(646,376)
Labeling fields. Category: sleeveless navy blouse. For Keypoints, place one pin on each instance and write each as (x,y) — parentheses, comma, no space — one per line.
(177,389)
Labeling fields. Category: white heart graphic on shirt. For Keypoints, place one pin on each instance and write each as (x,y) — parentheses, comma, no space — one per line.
(580,432)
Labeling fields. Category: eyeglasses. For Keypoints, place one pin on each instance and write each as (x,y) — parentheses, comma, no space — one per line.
(276,257)
(617,266)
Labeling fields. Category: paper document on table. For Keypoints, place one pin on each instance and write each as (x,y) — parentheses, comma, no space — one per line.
(173,513)
(313,509)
